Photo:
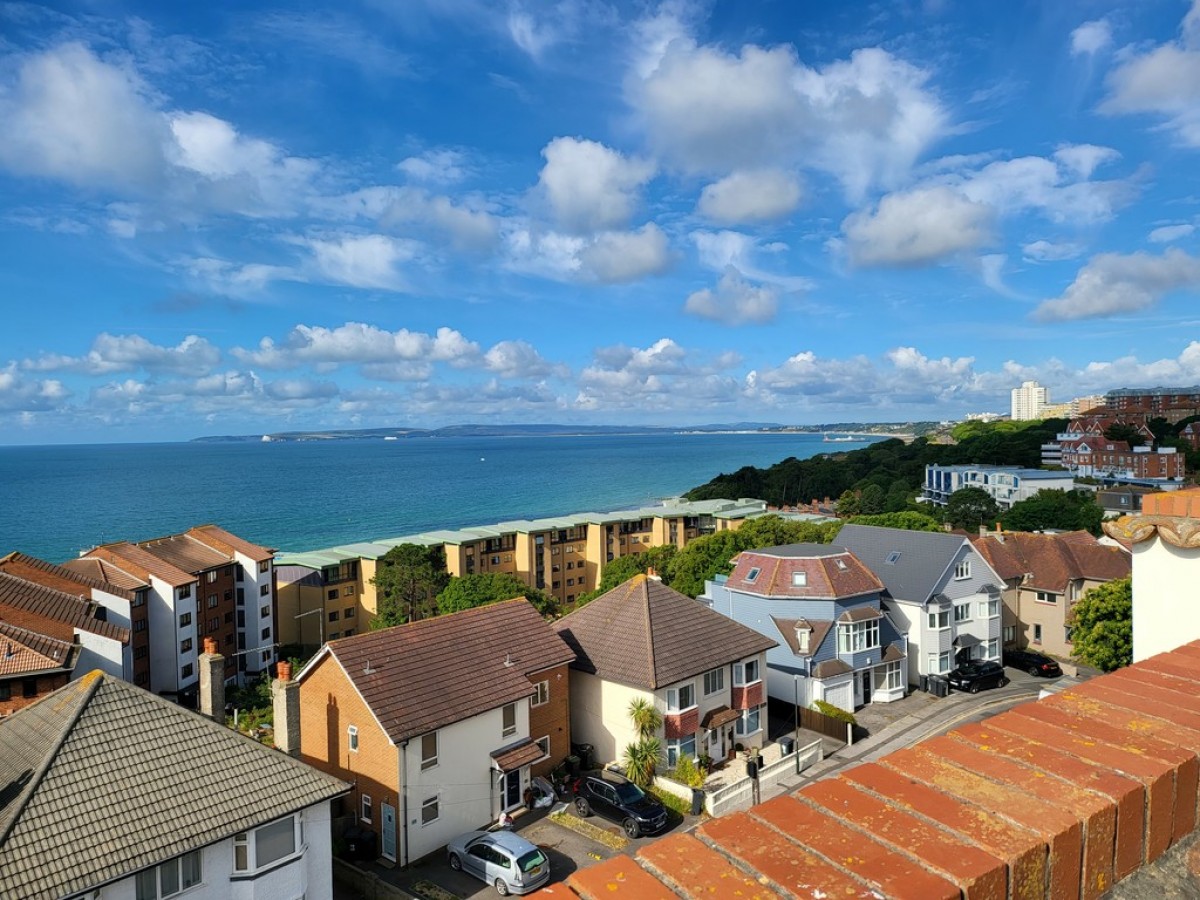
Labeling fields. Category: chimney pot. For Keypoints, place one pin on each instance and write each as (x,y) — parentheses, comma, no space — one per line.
(210,645)
(284,670)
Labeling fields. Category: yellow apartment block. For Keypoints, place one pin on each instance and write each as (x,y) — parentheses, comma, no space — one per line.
(323,594)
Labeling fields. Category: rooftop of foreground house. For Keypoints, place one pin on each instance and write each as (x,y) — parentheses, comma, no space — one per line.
(1058,798)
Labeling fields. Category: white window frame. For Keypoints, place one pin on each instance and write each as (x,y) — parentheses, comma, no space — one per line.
(962,570)
(142,890)
(675,747)
(352,738)
(991,648)
(507,728)
(939,663)
(936,617)
(858,637)
(364,808)
(742,723)
(1048,597)
(752,575)
(714,681)
(673,705)
(544,745)
(245,847)
(429,761)
(426,805)
(989,609)
(803,638)
(962,613)
(892,676)
(1037,633)
(1010,633)
(740,677)
(541,693)
(800,578)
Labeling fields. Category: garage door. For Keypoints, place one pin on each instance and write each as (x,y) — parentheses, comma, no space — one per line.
(841,695)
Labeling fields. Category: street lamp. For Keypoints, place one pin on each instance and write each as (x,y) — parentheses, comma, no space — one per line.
(320,621)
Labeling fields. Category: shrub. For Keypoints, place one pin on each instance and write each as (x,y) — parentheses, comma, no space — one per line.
(687,772)
(672,802)
(834,712)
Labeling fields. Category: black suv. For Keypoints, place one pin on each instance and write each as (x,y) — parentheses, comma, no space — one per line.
(1032,662)
(977,675)
(620,800)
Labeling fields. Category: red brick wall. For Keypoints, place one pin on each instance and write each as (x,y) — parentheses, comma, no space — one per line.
(682,724)
(18,700)
(748,697)
(552,719)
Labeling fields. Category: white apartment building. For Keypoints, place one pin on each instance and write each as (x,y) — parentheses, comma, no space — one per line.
(1029,401)
(1005,484)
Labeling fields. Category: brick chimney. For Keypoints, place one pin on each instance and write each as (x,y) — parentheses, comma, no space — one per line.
(212,682)
(285,698)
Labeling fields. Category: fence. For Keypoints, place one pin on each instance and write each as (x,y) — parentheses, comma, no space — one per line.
(740,794)
(814,720)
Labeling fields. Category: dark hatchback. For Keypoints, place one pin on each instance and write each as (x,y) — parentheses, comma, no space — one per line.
(620,800)
(977,675)
(1032,662)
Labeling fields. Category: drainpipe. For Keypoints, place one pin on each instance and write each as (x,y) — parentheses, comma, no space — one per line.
(404,803)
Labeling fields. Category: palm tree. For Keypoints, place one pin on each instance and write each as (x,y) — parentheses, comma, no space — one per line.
(645,717)
(641,760)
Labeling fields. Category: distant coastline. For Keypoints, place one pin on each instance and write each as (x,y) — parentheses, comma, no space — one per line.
(550,430)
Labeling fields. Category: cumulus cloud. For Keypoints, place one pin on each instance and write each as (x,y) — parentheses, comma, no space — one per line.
(746,197)
(620,256)
(1163,81)
(1049,251)
(126,353)
(23,395)
(865,120)
(442,166)
(356,343)
(1167,233)
(1091,37)
(1114,283)
(363,261)
(917,227)
(73,117)
(734,301)
(589,186)
(519,359)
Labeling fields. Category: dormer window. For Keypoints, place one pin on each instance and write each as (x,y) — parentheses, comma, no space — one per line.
(799,579)
(752,575)
(803,633)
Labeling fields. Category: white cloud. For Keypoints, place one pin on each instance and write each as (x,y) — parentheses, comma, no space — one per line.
(916,228)
(363,261)
(1091,37)
(1113,283)
(356,343)
(734,301)
(126,353)
(590,187)
(1048,251)
(73,117)
(621,256)
(1084,159)
(236,279)
(443,166)
(865,120)
(991,271)
(417,213)
(760,195)
(722,250)
(1057,188)
(519,359)
(1167,233)
(22,395)
(1164,81)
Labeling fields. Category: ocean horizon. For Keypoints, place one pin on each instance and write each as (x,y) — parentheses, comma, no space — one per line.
(59,500)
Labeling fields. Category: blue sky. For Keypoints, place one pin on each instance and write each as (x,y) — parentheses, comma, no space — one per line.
(239,217)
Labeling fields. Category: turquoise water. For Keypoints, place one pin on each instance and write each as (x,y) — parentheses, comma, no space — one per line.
(57,501)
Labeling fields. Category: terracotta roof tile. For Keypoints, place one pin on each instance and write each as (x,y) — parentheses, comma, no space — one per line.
(106,573)
(787,630)
(644,634)
(1054,560)
(60,578)
(56,605)
(513,758)
(416,677)
(224,542)
(829,572)
(141,563)
(186,554)
(24,652)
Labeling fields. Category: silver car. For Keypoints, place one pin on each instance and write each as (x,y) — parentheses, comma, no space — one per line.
(506,861)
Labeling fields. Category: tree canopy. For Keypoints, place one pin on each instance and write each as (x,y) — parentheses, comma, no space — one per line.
(623,568)
(407,579)
(909,521)
(480,589)
(970,507)
(1102,626)
(1074,510)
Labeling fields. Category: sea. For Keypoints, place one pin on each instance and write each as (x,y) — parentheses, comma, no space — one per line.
(57,501)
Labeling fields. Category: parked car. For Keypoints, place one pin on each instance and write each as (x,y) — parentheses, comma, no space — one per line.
(977,675)
(618,799)
(505,860)
(1032,662)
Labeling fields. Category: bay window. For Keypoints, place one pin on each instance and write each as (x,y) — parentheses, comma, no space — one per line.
(268,844)
(749,722)
(858,636)
(681,698)
(745,673)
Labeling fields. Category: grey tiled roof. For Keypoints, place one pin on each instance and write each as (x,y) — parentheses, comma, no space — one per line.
(101,779)
(923,557)
(643,634)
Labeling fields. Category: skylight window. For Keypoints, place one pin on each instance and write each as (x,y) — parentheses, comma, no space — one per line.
(752,575)
(892,557)
(841,563)
(799,579)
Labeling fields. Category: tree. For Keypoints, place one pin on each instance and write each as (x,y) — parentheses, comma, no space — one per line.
(848,504)
(702,559)
(1102,625)
(469,591)
(1119,431)
(407,579)
(623,568)
(1055,510)
(909,521)
(970,507)
(897,497)
(872,501)
(642,756)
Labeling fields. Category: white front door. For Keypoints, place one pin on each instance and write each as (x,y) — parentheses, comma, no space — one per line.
(716,747)
(389,831)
